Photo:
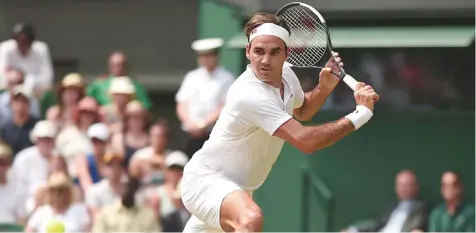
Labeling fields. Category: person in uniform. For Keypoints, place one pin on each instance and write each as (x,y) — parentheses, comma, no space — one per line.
(202,94)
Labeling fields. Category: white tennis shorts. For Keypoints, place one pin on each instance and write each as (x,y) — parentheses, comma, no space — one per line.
(202,195)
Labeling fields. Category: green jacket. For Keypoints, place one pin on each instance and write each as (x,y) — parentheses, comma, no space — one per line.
(461,221)
(99,89)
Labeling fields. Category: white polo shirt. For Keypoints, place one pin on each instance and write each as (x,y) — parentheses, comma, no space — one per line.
(204,91)
(241,147)
(37,64)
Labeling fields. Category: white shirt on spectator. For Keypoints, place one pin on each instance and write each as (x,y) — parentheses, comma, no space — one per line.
(70,143)
(36,65)
(242,147)
(398,217)
(12,201)
(75,219)
(101,194)
(31,171)
(204,91)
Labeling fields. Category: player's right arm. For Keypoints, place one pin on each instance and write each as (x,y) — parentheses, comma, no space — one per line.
(309,139)
(267,113)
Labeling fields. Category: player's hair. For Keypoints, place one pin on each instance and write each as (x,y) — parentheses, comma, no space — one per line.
(262,18)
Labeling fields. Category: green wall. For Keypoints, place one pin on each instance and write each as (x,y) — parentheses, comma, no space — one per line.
(360,169)
(221,20)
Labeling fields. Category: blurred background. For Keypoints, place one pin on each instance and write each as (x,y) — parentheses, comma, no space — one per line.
(67,161)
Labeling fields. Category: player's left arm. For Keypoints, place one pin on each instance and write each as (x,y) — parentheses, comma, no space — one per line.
(313,100)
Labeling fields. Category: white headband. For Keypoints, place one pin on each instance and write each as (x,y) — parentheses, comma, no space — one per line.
(270,29)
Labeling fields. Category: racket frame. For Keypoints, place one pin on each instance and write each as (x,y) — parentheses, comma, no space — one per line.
(349,80)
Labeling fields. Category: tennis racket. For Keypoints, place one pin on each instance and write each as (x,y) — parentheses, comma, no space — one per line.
(310,39)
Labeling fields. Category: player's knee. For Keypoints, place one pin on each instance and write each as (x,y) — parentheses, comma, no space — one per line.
(251,220)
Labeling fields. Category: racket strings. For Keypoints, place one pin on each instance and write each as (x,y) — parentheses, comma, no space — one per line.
(308,36)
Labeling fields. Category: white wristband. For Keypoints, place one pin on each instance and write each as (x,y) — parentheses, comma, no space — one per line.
(360,116)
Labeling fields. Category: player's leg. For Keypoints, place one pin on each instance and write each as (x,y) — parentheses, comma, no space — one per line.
(239,213)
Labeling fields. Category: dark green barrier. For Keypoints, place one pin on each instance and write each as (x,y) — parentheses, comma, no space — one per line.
(360,170)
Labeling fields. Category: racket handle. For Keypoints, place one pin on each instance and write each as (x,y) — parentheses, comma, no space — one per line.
(350,81)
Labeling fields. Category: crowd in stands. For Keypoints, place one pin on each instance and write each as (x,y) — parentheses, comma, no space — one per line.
(93,159)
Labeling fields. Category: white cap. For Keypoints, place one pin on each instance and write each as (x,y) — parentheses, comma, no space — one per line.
(22,90)
(177,158)
(43,129)
(207,45)
(99,131)
(122,85)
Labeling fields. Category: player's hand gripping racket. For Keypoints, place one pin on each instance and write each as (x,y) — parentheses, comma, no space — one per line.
(310,38)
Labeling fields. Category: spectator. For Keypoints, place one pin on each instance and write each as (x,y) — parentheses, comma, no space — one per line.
(133,132)
(408,214)
(117,68)
(72,140)
(30,55)
(60,208)
(90,166)
(31,166)
(166,200)
(455,215)
(202,94)
(70,92)
(12,201)
(14,78)
(147,163)
(122,92)
(57,164)
(16,132)
(109,190)
(126,215)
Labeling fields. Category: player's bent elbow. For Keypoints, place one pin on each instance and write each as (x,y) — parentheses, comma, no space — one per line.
(309,146)
(309,149)
(304,147)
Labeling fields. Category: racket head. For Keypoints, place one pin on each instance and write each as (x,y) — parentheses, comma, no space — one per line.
(309,36)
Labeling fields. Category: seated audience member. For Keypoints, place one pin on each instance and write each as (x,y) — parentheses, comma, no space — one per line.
(147,163)
(72,139)
(32,165)
(70,92)
(90,166)
(60,209)
(30,55)
(14,78)
(12,202)
(126,215)
(132,135)
(456,214)
(406,215)
(109,190)
(57,165)
(16,131)
(122,92)
(117,68)
(166,199)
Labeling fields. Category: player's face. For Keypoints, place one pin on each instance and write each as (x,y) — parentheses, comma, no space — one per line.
(267,55)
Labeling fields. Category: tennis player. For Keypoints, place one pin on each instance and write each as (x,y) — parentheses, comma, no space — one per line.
(219,180)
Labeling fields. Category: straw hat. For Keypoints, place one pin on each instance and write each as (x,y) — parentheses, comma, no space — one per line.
(72,80)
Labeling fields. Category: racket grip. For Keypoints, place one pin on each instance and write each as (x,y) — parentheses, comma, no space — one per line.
(350,81)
